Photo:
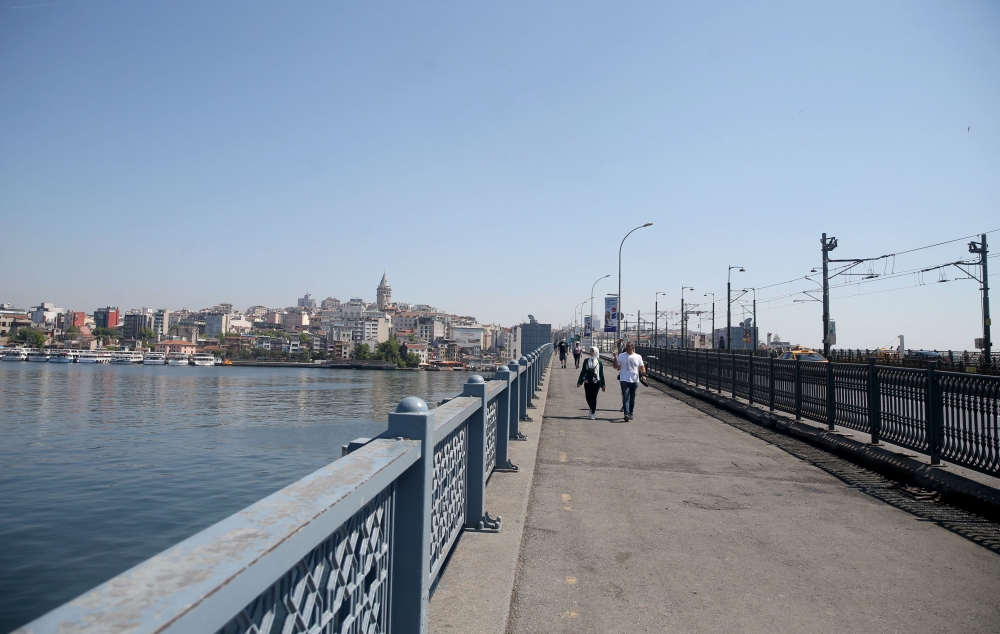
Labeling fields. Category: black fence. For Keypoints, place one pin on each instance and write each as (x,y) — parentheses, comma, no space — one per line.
(949,415)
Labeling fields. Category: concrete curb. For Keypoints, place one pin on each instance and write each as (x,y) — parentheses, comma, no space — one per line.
(956,489)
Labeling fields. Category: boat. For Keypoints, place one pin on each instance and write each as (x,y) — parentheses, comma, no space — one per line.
(15,354)
(154,358)
(178,358)
(40,356)
(126,358)
(64,356)
(90,356)
(204,359)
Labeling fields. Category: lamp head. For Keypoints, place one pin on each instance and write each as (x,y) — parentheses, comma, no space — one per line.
(648,224)
(742,270)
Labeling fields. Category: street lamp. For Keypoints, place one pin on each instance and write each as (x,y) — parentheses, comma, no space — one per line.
(684,317)
(754,330)
(713,317)
(656,315)
(729,317)
(592,307)
(618,325)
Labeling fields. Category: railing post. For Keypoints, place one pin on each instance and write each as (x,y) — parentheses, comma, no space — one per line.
(874,403)
(798,390)
(934,413)
(732,363)
(411,531)
(532,385)
(750,379)
(476,516)
(516,399)
(504,402)
(831,400)
(770,383)
(525,388)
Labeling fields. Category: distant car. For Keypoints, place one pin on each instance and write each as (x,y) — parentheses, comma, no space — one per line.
(924,354)
(803,355)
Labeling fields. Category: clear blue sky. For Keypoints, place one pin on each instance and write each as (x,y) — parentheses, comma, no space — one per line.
(490,156)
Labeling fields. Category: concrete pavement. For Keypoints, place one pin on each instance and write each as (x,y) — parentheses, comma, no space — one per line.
(679,522)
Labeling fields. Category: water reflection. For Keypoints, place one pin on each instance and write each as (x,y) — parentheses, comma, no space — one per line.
(103,466)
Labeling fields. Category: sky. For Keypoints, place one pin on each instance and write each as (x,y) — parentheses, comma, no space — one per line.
(490,157)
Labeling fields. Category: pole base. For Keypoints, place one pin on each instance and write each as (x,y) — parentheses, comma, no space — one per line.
(510,467)
(485,525)
(519,436)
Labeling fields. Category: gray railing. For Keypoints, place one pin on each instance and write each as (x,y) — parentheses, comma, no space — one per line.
(948,415)
(354,547)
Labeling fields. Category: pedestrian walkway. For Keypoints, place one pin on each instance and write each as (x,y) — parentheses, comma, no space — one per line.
(680,522)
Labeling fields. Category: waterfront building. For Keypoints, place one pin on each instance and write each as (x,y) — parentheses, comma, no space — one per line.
(46,313)
(109,317)
(330,303)
(307,301)
(257,311)
(418,349)
(136,320)
(431,328)
(161,321)
(291,321)
(176,347)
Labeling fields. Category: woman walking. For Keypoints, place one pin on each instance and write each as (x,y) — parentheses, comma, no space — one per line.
(577,351)
(592,378)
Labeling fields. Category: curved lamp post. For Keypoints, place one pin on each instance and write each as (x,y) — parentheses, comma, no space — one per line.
(729,325)
(684,343)
(592,307)
(618,326)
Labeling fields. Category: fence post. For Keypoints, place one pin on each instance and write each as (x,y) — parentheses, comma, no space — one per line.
(411,531)
(770,383)
(934,413)
(874,403)
(476,516)
(831,400)
(750,379)
(525,386)
(516,399)
(503,373)
(732,363)
(798,390)
(532,386)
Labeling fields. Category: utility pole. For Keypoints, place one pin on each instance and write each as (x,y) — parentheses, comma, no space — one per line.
(684,317)
(983,252)
(827,246)
(713,319)
(729,301)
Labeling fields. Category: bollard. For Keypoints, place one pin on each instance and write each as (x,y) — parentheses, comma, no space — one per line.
(411,548)
(476,517)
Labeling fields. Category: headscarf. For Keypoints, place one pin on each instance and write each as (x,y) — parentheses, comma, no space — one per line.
(595,357)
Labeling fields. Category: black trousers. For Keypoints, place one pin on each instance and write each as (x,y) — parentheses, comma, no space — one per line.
(591,390)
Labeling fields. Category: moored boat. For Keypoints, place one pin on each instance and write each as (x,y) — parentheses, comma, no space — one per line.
(89,356)
(64,356)
(126,358)
(204,359)
(154,358)
(178,358)
(39,356)
(15,354)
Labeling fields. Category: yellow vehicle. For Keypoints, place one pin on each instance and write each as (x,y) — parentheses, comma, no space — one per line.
(804,354)
(227,362)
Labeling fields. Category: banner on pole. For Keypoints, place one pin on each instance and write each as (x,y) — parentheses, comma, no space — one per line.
(586,326)
(610,314)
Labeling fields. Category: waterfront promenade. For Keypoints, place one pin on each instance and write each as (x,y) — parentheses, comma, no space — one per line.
(682,522)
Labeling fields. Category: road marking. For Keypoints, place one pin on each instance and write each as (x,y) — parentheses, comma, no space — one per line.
(562,456)
(571,580)
(562,432)
(569,615)
(566,498)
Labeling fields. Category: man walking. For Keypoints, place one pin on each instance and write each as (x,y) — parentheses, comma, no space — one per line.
(630,368)
(563,348)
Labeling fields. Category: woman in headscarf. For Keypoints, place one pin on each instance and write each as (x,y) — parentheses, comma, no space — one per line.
(592,378)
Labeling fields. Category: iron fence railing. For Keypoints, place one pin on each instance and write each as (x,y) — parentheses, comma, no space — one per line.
(953,416)
(352,548)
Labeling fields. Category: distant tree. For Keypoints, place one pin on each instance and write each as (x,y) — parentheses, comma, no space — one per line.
(411,337)
(72,330)
(362,352)
(412,360)
(107,333)
(30,336)
(146,333)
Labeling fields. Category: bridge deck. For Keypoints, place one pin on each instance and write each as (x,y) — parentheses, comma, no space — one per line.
(681,522)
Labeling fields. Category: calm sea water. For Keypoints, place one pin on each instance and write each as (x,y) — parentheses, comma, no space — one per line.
(104,466)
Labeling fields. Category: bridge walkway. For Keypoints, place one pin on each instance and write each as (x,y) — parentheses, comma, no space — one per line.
(686,520)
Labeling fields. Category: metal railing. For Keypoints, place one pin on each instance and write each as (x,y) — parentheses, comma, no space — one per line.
(948,415)
(354,547)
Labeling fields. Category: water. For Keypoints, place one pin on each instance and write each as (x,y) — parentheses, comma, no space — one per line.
(104,466)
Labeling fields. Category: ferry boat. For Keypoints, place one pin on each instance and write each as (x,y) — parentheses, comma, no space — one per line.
(126,358)
(154,358)
(204,359)
(15,354)
(177,358)
(64,356)
(95,356)
(40,356)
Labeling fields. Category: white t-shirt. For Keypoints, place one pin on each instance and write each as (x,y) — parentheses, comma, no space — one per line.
(629,364)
